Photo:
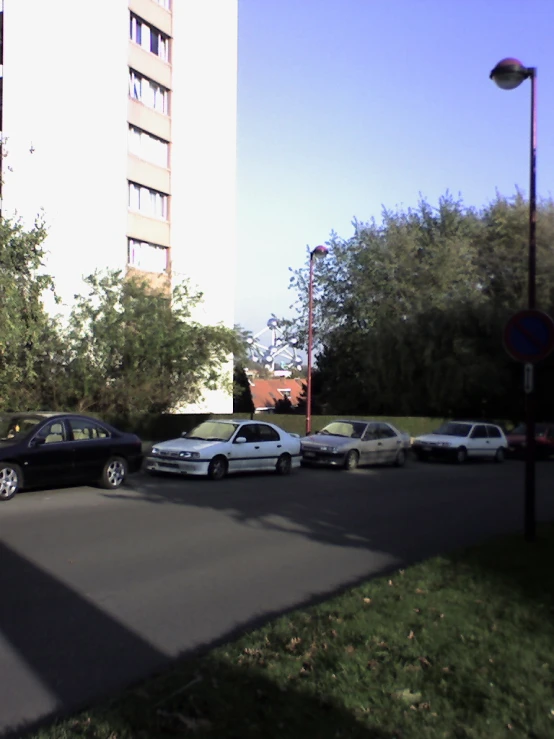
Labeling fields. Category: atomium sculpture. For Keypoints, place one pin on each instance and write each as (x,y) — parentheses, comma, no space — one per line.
(281,347)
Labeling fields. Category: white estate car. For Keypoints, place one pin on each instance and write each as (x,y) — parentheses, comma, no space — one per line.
(215,448)
(460,440)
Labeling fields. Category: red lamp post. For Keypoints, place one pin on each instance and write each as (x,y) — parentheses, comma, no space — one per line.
(317,253)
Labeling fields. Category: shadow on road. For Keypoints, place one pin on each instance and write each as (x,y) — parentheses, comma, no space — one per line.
(81,654)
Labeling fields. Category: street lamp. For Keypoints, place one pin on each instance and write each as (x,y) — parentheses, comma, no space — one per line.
(509,74)
(318,253)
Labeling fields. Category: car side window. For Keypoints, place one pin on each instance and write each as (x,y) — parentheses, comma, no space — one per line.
(385,431)
(479,432)
(494,433)
(249,432)
(53,433)
(266,433)
(370,433)
(85,430)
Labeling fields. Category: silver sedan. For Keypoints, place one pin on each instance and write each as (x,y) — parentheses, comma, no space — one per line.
(348,444)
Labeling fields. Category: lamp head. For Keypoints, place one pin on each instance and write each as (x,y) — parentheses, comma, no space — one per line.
(510,73)
(319,252)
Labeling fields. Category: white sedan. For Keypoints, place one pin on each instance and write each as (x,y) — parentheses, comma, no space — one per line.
(461,440)
(216,448)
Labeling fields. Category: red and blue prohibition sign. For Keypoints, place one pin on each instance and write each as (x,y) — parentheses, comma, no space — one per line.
(529,336)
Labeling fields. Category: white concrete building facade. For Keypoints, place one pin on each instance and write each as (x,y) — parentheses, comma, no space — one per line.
(119,123)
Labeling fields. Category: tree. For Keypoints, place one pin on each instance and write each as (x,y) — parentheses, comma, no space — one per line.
(242,394)
(27,334)
(409,312)
(133,349)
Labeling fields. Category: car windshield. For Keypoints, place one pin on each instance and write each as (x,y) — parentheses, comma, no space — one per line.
(540,430)
(14,428)
(212,431)
(454,429)
(348,429)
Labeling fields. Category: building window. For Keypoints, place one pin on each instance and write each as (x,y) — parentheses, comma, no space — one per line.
(149,38)
(147,257)
(148,202)
(164,3)
(148,92)
(148,147)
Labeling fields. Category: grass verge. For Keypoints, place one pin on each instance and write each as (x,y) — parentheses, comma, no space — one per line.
(459,646)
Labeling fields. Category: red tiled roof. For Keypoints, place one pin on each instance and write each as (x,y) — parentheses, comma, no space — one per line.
(265,393)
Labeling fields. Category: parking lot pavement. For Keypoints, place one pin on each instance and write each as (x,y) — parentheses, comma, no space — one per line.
(99,588)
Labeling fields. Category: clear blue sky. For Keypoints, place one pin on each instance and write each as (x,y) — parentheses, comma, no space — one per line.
(349,105)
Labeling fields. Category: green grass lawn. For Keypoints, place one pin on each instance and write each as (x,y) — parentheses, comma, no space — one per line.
(459,646)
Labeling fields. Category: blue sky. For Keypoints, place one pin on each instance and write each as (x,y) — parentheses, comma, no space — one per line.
(346,106)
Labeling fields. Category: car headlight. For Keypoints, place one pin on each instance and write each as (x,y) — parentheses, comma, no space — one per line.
(189,455)
(444,444)
(331,449)
(155,450)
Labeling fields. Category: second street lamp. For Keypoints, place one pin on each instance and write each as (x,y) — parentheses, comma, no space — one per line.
(317,253)
(509,74)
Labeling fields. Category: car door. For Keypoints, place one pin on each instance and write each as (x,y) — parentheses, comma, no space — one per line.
(495,439)
(245,455)
(389,442)
(370,451)
(478,442)
(92,445)
(49,456)
(271,446)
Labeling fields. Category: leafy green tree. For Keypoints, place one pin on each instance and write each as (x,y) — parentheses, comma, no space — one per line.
(242,394)
(27,333)
(133,349)
(409,313)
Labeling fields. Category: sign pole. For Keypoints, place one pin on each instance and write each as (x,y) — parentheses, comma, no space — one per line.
(530,469)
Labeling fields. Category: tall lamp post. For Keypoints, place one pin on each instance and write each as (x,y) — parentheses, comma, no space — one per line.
(509,74)
(318,253)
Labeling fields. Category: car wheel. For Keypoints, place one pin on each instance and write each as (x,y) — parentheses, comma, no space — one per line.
(461,455)
(400,460)
(10,481)
(114,474)
(217,468)
(500,455)
(351,460)
(284,465)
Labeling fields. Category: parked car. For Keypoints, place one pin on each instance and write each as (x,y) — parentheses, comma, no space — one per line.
(44,449)
(348,444)
(544,441)
(460,440)
(216,448)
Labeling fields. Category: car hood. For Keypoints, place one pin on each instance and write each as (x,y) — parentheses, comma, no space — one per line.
(187,445)
(441,439)
(327,440)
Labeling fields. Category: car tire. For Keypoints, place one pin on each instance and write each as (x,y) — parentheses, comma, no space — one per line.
(217,469)
(284,465)
(114,473)
(461,455)
(351,460)
(500,455)
(400,460)
(10,481)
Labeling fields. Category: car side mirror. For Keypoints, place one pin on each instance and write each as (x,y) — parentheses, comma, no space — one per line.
(183,434)
(38,441)
(240,440)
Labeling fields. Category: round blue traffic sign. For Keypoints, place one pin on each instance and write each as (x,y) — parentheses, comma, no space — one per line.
(529,336)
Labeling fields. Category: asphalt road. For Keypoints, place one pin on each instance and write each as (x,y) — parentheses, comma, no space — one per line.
(98,589)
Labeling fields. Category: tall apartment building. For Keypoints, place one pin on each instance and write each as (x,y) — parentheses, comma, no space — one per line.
(119,121)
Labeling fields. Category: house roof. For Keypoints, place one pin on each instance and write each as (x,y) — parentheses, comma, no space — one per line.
(265,393)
